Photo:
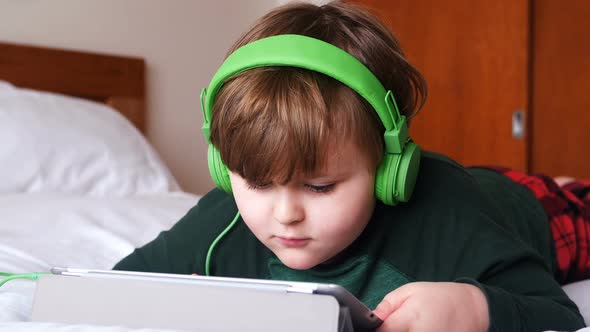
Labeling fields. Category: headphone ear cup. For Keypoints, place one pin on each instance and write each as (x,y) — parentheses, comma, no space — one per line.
(217,169)
(384,179)
(396,175)
(407,171)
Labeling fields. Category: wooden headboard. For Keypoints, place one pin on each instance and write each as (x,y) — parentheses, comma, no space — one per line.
(115,80)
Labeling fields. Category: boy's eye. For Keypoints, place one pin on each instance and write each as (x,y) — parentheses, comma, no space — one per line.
(321,189)
(258,185)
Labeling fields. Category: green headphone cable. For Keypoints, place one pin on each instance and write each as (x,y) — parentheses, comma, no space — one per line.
(12,276)
(217,239)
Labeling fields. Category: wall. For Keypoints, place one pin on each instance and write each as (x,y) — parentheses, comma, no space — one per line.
(183,42)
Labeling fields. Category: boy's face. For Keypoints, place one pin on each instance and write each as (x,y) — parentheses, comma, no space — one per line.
(310,219)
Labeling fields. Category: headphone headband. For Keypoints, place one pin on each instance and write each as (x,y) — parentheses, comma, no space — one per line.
(316,55)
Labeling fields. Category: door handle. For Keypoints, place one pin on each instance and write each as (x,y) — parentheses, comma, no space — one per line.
(518,124)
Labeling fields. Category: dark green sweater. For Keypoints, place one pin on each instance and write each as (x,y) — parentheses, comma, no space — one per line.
(472,226)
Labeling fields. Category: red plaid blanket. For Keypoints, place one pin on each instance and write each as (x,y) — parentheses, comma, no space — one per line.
(568,210)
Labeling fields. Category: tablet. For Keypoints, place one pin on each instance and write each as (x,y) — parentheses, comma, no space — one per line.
(363,319)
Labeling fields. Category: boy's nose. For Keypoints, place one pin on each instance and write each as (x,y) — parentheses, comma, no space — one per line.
(288,209)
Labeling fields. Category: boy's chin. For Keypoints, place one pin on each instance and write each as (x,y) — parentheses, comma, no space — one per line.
(298,263)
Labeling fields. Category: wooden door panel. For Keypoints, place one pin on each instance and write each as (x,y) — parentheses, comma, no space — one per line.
(474,56)
(561,88)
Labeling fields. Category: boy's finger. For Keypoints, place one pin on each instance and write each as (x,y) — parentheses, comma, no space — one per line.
(391,302)
(383,310)
(401,320)
(398,321)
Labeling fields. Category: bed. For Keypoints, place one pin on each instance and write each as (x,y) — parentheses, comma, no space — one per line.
(80,185)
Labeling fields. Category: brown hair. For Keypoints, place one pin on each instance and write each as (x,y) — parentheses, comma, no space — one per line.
(271,122)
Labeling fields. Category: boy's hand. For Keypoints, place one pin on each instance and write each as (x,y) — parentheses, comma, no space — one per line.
(434,306)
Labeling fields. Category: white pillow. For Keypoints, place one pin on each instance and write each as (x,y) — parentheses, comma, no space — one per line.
(55,143)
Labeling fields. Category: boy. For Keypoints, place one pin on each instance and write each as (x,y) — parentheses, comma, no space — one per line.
(303,155)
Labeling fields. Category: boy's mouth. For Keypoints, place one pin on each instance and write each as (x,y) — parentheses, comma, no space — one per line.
(293,242)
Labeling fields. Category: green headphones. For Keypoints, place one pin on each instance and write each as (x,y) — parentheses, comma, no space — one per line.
(396,174)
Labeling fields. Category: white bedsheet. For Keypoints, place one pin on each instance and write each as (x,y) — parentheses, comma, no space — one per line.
(38,231)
